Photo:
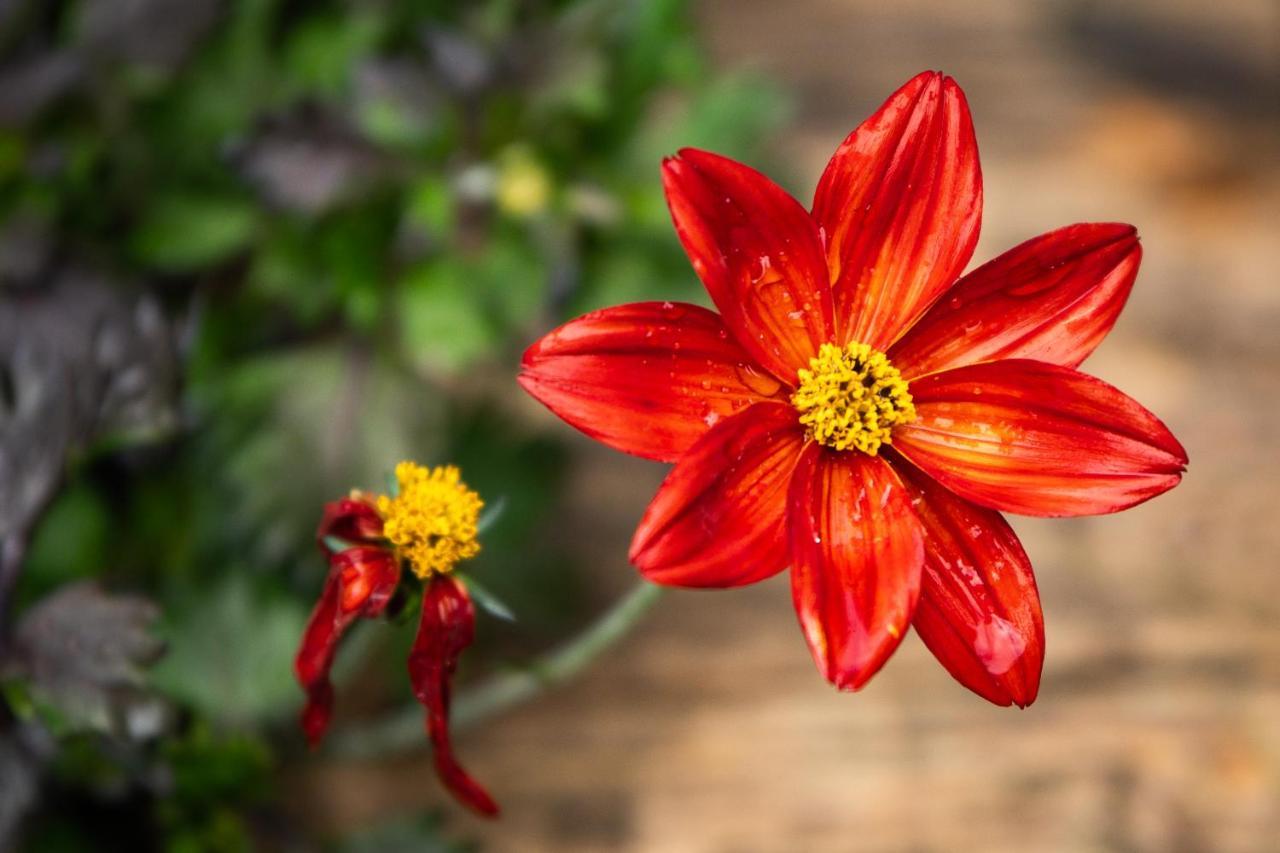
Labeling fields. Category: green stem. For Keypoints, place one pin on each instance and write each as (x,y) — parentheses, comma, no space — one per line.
(403,729)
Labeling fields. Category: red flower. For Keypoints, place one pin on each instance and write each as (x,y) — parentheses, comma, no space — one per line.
(430,525)
(857,413)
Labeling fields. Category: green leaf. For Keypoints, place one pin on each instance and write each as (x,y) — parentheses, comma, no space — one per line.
(444,325)
(231,652)
(322,51)
(70,541)
(430,206)
(180,233)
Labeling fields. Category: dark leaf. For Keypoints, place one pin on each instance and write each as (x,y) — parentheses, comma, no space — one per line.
(463,63)
(309,166)
(158,33)
(79,361)
(28,86)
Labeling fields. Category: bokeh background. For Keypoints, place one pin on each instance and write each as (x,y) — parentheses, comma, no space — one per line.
(254,252)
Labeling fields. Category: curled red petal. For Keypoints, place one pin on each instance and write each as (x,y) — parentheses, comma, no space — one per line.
(648,379)
(447,628)
(352,520)
(315,657)
(369,577)
(856,551)
(1038,439)
(1053,298)
(758,253)
(717,520)
(360,583)
(899,206)
(979,610)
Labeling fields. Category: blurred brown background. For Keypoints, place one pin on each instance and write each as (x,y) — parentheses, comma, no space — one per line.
(1158,723)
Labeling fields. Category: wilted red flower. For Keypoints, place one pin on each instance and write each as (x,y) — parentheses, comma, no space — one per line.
(857,413)
(430,525)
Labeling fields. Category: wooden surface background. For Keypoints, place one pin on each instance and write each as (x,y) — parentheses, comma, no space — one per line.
(1158,724)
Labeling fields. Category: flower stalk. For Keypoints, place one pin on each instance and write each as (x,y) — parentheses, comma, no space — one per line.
(503,691)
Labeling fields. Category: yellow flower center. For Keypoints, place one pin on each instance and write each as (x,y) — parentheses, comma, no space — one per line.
(432,521)
(852,397)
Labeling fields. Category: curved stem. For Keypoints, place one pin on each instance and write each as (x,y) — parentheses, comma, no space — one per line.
(403,729)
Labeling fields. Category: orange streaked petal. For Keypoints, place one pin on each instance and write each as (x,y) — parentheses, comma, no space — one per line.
(648,378)
(717,520)
(757,251)
(1052,299)
(369,577)
(447,628)
(899,206)
(856,551)
(360,583)
(1038,439)
(979,610)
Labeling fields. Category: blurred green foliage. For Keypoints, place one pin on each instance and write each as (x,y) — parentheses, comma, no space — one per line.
(356,213)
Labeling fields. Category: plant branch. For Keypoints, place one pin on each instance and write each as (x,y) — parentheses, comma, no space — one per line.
(403,730)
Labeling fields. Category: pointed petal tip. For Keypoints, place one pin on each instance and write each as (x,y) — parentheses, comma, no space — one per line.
(1006,695)
(529,356)
(691,155)
(930,77)
(317,713)
(636,554)
(1023,694)
(852,677)
(850,681)
(935,85)
(1121,235)
(467,791)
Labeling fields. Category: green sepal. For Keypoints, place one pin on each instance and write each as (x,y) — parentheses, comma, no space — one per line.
(488,602)
(336,544)
(491,513)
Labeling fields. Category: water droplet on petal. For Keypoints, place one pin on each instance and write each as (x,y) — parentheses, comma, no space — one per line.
(758,381)
(998,645)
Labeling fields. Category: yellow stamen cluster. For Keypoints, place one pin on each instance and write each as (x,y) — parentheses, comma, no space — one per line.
(852,397)
(432,521)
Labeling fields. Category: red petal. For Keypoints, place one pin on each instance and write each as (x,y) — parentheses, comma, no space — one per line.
(979,611)
(369,578)
(447,628)
(717,519)
(352,520)
(360,582)
(757,251)
(315,657)
(856,550)
(899,206)
(1035,438)
(648,379)
(1051,299)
